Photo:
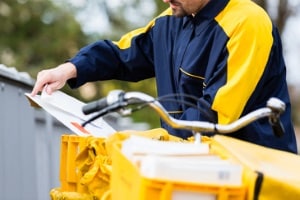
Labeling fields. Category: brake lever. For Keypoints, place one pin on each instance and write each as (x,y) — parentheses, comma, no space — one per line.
(277,126)
(277,107)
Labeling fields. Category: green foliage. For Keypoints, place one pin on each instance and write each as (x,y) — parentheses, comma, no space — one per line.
(35,34)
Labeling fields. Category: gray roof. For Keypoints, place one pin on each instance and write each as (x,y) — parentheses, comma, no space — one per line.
(13,74)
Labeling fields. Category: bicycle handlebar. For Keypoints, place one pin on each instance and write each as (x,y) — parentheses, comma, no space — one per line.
(117,100)
(113,97)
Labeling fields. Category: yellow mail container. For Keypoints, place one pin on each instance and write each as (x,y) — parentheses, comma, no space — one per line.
(69,175)
(85,164)
(91,168)
(127,183)
(81,176)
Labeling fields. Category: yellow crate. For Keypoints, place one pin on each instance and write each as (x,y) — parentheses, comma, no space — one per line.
(127,183)
(84,168)
(72,145)
(69,175)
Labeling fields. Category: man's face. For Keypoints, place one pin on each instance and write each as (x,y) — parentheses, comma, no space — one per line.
(183,8)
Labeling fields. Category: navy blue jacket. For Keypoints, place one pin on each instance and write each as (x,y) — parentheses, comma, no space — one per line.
(229,55)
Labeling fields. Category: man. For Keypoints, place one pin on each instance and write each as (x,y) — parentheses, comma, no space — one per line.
(227,53)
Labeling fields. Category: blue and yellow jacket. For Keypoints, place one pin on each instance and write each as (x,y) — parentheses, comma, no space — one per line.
(228,55)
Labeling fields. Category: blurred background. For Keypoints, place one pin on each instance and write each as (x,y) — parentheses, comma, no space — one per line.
(39,34)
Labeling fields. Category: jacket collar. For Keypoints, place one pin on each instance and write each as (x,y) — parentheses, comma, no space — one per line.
(210,11)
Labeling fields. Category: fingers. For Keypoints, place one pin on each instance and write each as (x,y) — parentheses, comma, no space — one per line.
(35,91)
(48,89)
(39,84)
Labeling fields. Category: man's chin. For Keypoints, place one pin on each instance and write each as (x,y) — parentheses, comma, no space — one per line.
(177,13)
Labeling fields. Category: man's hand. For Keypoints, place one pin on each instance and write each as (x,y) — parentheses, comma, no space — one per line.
(54,79)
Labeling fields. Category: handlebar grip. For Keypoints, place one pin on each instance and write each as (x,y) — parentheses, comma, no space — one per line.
(95,106)
(278,128)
